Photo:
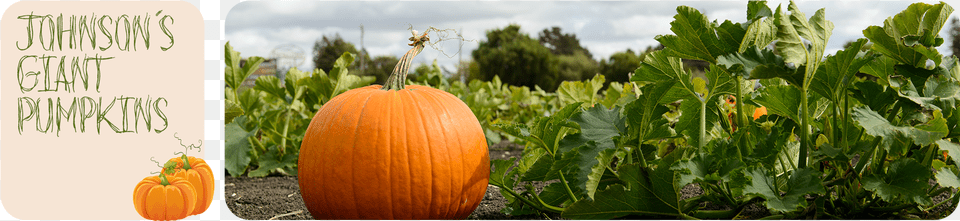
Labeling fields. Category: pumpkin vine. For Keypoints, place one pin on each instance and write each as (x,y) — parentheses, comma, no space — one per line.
(183,154)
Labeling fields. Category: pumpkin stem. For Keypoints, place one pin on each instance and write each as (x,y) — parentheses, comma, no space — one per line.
(398,77)
(183,155)
(163,180)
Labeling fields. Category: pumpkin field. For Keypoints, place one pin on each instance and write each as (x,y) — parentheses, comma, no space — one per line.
(773,128)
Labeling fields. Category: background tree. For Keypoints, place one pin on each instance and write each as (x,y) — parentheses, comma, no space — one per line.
(326,51)
(562,44)
(518,59)
(621,64)
(577,67)
(380,67)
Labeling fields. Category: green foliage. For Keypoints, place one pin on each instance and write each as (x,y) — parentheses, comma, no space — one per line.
(583,92)
(268,122)
(666,129)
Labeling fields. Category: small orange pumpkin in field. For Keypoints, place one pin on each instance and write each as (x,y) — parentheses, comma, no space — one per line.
(157,198)
(394,152)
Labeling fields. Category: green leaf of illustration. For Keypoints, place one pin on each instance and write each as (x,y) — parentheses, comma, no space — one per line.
(905,179)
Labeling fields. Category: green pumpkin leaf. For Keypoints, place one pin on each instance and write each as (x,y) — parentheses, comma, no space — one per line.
(598,129)
(910,36)
(341,66)
(271,85)
(645,114)
(905,179)
(710,167)
(754,63)
(881,67)
(781,100)
(874,95)
(234,75)
(657,67)
(689,122)
(762,29)
(837,71)
(596,124)
(613,93)
(584,92)
(231,110)
(875,125)
(499,172)
(237,149)
(953,150)
(273,162)
(698,38)
(646,191)
(947,178)
(802,181)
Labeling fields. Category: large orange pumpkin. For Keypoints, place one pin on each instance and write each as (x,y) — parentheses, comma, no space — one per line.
(414,153)
(198,173)
(157,198)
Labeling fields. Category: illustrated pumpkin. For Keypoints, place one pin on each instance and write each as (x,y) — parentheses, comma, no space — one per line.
(198,173)
(158,198)
(400,152)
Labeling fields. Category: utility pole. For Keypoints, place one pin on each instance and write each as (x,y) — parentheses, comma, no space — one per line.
(363,50)
(460,68)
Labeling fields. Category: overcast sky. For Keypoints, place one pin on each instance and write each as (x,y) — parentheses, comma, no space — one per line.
(255,28)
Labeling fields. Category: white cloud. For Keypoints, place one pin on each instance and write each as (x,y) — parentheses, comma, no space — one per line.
(256,27)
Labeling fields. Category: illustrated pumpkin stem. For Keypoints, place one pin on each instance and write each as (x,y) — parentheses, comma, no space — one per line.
(183,155)
(163,180)
(397,79)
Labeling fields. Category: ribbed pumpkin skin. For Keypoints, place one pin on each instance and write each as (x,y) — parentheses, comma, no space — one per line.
(201,177)
(415,153)
(158,202)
